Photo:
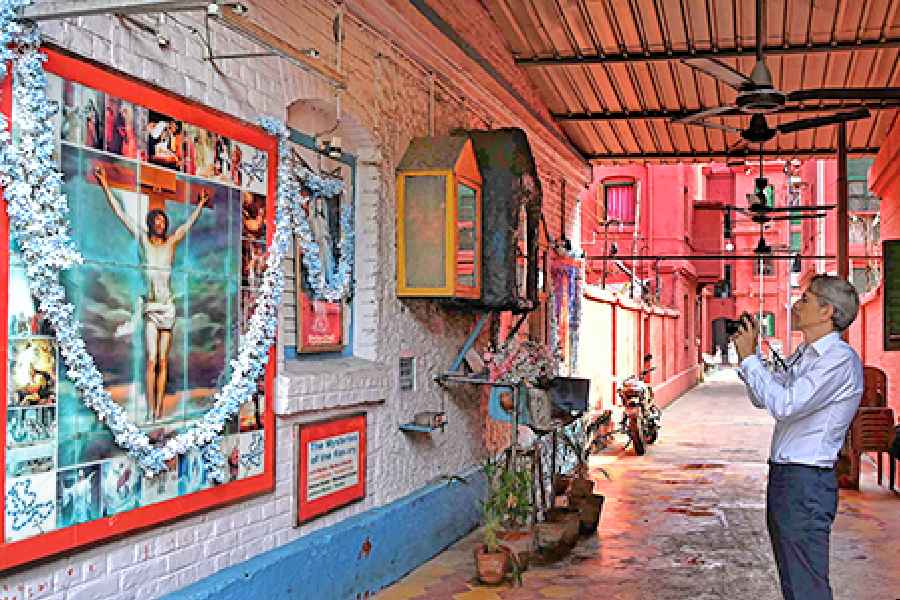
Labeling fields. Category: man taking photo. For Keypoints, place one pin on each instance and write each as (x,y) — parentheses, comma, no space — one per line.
(813,397)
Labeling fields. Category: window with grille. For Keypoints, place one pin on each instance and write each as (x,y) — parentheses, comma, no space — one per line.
(865,279)
(860,230)
(797,248)
(407,374)
(795,198)
(619,201)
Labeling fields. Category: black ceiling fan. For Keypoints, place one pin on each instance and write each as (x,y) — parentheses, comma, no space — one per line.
(760,213)
(763,215)
(757,96)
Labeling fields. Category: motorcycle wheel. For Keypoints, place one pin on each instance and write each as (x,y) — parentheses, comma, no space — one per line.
(634,432)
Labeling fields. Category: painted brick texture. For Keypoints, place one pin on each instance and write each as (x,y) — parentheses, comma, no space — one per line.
(384,106)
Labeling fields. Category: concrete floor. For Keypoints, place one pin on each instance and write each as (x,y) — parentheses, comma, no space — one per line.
(687,520)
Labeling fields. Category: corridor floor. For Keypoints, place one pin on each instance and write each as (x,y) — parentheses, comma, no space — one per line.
(687,520)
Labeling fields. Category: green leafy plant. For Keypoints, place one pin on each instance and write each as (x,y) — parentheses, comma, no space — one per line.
(508,503)
(491,527)
(509,495)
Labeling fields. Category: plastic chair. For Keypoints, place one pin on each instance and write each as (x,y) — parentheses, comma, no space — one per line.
(871,431)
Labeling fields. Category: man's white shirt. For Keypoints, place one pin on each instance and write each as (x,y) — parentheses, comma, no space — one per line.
(813,401)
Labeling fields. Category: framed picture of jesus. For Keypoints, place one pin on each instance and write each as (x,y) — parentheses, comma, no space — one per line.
(157,187)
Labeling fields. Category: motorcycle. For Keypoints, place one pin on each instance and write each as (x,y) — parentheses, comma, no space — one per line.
(640,418)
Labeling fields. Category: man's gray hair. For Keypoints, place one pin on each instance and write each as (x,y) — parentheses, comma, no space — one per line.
(841,295)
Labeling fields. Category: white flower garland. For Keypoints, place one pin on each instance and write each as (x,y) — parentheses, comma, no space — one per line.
(38,216)
(335,286)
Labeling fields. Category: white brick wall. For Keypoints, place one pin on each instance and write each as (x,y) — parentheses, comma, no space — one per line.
(383,108)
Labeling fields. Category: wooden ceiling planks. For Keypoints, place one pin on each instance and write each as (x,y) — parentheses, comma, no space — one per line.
(509,25)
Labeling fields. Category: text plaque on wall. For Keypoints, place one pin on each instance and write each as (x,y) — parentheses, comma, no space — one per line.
(331,465)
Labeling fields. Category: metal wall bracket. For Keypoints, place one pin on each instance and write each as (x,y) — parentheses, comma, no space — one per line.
(227,13)
(68,9)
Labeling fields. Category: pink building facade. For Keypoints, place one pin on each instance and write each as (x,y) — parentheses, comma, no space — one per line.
(680,210)
(642,199)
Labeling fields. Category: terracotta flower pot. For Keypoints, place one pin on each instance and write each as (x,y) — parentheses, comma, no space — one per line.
(490,566)
(550,541)
(589,509)
(571,522)
(521,543)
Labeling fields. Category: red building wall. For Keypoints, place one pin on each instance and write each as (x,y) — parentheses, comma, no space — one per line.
(670,224)
(611,347)
(668,329)
(884,180)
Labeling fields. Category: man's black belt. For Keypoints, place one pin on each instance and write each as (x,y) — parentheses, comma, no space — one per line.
(780,464)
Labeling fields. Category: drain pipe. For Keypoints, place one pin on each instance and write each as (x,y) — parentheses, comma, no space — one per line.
(635,232)
(820,226)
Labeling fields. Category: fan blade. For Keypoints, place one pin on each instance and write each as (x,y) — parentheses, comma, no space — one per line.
(721,207)
(717,206)
(739,147)
(772,209)
(790,217)
(710,125)
(801,124)
(709,112)
(846,94)
(719,70)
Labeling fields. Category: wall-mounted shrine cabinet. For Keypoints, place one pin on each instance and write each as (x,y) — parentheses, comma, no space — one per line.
(439,220)
(512,215)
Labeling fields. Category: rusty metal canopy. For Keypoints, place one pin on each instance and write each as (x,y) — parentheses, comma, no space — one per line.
(611,71)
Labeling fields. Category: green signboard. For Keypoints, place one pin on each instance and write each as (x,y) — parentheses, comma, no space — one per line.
(891,252)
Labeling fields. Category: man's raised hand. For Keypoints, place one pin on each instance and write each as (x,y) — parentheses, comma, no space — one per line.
(745,338)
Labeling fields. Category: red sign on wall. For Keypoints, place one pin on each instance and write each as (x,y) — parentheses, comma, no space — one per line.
(331,465)
(320,324)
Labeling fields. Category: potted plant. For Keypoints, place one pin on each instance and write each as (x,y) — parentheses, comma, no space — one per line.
(491,561)
(507,503)
(580,486)
(514,497)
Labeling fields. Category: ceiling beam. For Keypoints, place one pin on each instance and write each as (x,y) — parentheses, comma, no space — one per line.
(751,154)
(744,51)
(678,114)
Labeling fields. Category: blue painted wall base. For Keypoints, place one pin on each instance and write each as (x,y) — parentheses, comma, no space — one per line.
(363,553)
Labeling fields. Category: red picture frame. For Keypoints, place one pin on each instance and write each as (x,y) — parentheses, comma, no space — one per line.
(329,454)
(97,76)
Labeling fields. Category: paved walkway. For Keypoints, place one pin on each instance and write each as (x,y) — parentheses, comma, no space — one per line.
(687,520)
